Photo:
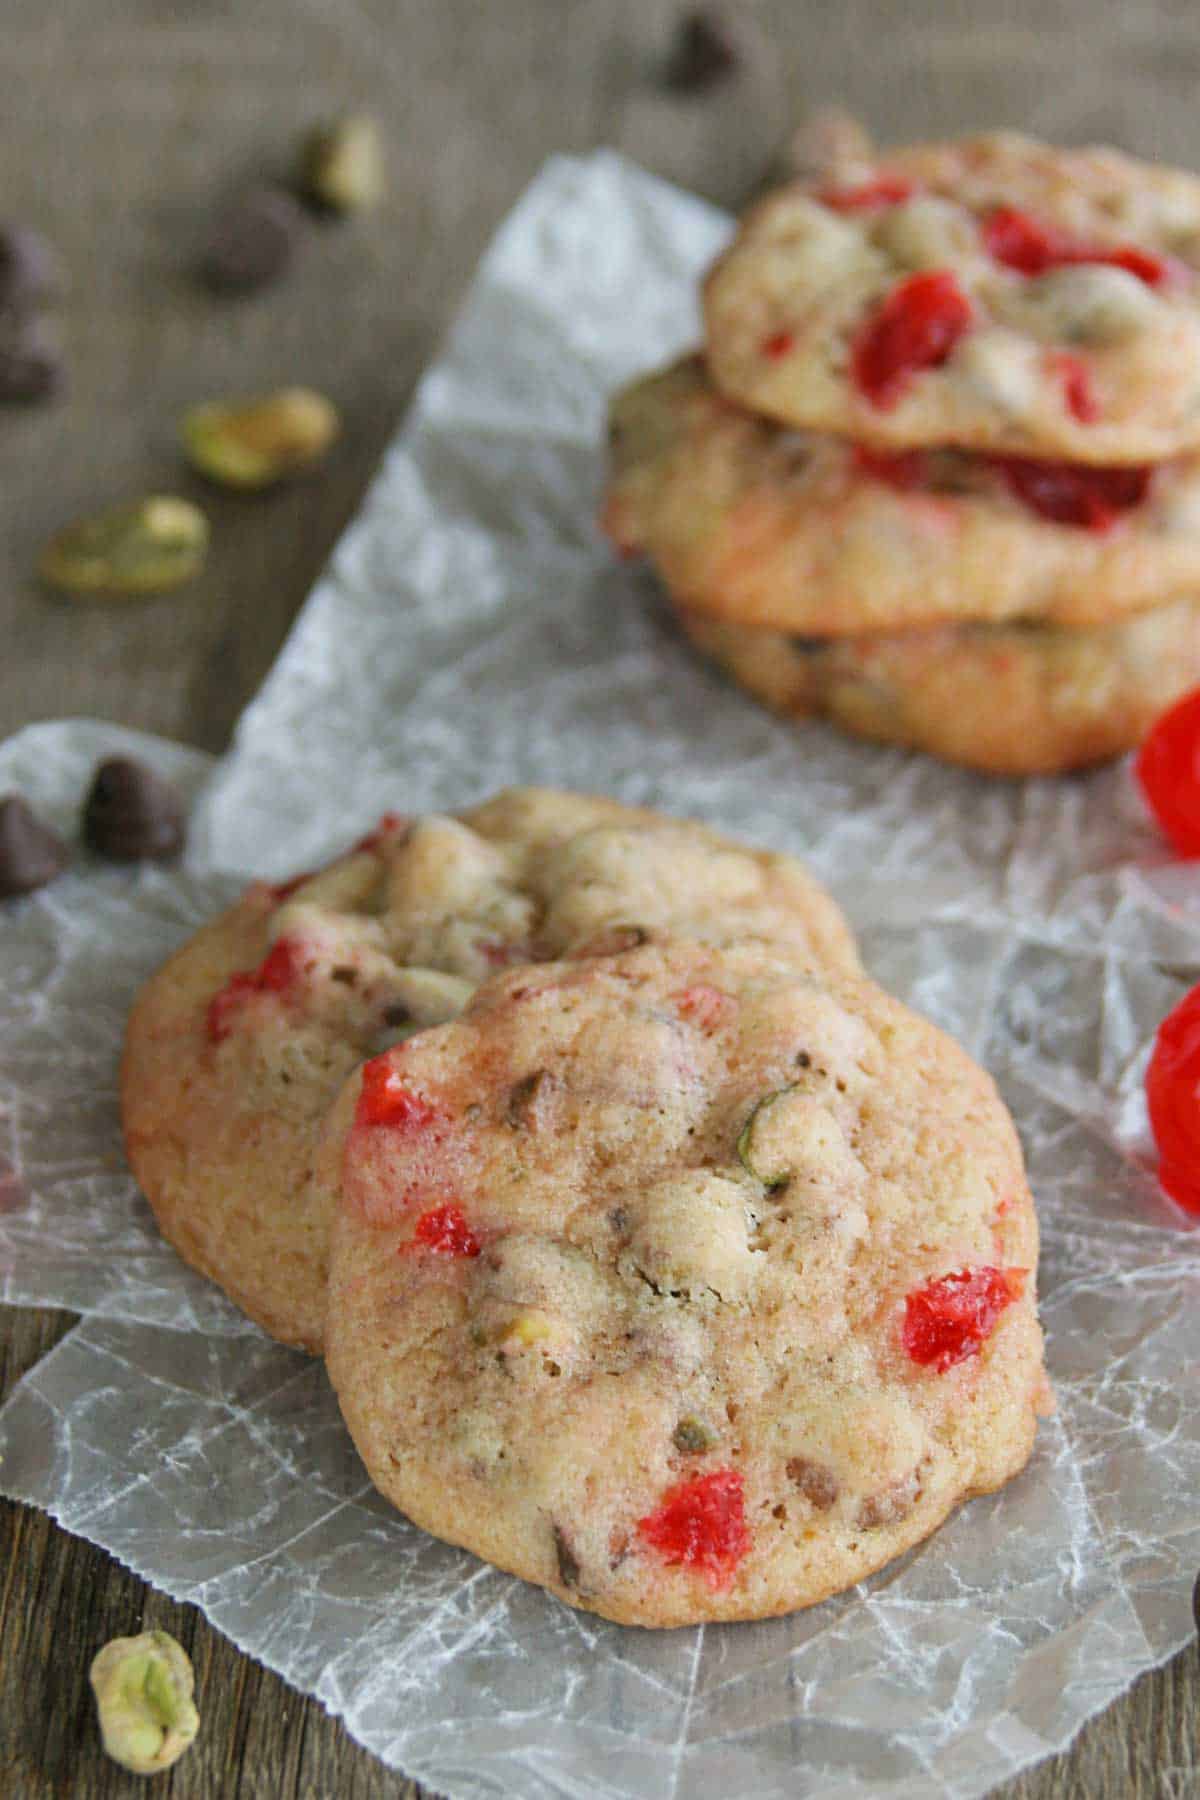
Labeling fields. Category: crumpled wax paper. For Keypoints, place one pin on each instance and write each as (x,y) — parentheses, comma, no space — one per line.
(473,631)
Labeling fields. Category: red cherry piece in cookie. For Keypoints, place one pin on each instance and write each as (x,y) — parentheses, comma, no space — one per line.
(274,975)
(1168,769)
(701,1524)
(1173,1098)
(445,1231)
(778,345)
(882,190)
(1078,391)
(703,1005)
(904,470)
(948,1319)
(915,328)
(386,1099)
(1032,247)
(283,890)
(499,955)
(390,823)
(1074,493)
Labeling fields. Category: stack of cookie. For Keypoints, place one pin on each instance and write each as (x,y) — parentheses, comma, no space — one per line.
(657,1255)
(936,474)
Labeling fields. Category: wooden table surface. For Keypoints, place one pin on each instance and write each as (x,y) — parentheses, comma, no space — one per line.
(121,125)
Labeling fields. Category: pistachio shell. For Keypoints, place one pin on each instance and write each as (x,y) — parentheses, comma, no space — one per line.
(143,1687)
(255,442)
(343,164)
(145,548)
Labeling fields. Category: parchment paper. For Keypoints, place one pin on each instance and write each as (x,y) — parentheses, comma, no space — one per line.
(473,631)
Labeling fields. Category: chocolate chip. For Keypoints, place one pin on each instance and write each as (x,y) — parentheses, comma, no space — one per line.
(892,1505)
(28,268)
(131,814)
(807,646)
(30,853)
(30,366)
(818,1484)
(568,1562)
(253,241)
(705,51)
(397,1014)
(615,941)
(527,1100)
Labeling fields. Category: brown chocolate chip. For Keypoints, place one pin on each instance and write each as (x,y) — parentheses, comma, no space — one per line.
(568,1562)
(527,1100)
(397,1014)
(131,814)
(31,368)
(29,273)
(30,853)
(705,51)
(892,1505)
(253,241)
(616,941)
(818,1485)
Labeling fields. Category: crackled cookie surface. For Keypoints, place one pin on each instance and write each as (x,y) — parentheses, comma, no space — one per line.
(681,1282)
(751,521)
(1007,699)
(995,293)
(238,1045)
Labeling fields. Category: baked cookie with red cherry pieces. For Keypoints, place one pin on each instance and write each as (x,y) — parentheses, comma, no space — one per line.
(684,1283)
(997,293)
(1018,699)
(237,1046)
(753,522)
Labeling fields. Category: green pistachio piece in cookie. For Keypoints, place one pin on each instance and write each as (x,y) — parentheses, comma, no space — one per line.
(254,443)
(693,1436)
(765,1144)
(145,548)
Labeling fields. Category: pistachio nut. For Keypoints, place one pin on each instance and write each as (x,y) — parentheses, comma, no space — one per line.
(143,548)
(344,165)
(693,1436)
(252,443)
(143,1687)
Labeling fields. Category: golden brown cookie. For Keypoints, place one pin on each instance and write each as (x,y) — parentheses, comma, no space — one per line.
(681,1282)
(1007,699)
(996,293)
(237,1046)
(763,525)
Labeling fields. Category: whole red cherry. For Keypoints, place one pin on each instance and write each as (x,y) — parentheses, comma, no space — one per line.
(1168,770)
(1173,1097)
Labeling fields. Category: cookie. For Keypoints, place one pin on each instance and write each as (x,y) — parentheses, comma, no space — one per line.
(683,1283)
(237,1046)
(1007,699)
(996,293)
(751,521)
